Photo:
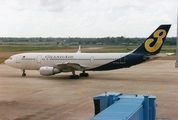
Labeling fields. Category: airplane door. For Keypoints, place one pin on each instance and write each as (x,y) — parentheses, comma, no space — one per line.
(39,58)
(92,60)
(18,59)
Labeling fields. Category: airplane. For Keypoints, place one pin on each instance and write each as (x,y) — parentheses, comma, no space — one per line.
(53,63)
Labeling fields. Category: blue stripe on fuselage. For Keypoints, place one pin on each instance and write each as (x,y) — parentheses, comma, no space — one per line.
(124,62)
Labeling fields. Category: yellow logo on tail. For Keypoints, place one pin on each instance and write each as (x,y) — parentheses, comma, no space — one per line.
(158,43)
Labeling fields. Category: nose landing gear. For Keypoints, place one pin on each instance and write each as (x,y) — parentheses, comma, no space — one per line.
(23,74)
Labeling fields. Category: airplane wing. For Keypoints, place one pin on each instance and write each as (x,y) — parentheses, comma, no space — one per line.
(63,67)
(160,55)
(68,67)
(169,54)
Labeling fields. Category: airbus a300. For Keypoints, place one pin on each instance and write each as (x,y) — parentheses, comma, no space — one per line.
(54,63)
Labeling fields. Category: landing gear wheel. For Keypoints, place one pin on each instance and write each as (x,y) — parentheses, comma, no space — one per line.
(74,77)
(23,74)
(84,74)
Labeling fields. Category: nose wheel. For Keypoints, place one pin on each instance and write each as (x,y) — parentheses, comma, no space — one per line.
(23,74)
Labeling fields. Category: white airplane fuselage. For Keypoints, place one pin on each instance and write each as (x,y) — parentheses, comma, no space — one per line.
(34,61)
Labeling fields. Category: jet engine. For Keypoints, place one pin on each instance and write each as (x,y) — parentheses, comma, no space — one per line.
(47,71)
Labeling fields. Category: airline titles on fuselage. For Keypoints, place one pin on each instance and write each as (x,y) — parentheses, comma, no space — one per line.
(59,57)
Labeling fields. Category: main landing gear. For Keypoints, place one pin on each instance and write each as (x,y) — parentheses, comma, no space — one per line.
(84,74)
(74,76)
(23,73)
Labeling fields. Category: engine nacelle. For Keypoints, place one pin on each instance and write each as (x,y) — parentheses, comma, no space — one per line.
(47,71)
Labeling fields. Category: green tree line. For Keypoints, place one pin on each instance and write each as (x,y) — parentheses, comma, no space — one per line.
(86,41)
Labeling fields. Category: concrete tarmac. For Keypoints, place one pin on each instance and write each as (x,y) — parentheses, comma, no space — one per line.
(36,97)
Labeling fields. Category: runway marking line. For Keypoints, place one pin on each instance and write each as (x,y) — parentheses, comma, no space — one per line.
(91,100)
(78,106)
(160,88)
(84,95)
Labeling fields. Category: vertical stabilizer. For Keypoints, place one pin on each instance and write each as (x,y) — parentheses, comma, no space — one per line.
(153,44)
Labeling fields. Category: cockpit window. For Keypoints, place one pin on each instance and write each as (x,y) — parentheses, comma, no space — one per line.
(10,58)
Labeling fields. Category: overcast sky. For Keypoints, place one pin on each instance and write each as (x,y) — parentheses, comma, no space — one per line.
(86,18)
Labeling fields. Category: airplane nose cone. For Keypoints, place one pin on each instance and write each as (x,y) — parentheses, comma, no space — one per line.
(6,61)
(9,62)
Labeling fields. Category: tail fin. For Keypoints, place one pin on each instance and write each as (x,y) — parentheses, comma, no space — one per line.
(153,44)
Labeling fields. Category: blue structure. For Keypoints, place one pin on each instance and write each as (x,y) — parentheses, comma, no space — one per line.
(119,106)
